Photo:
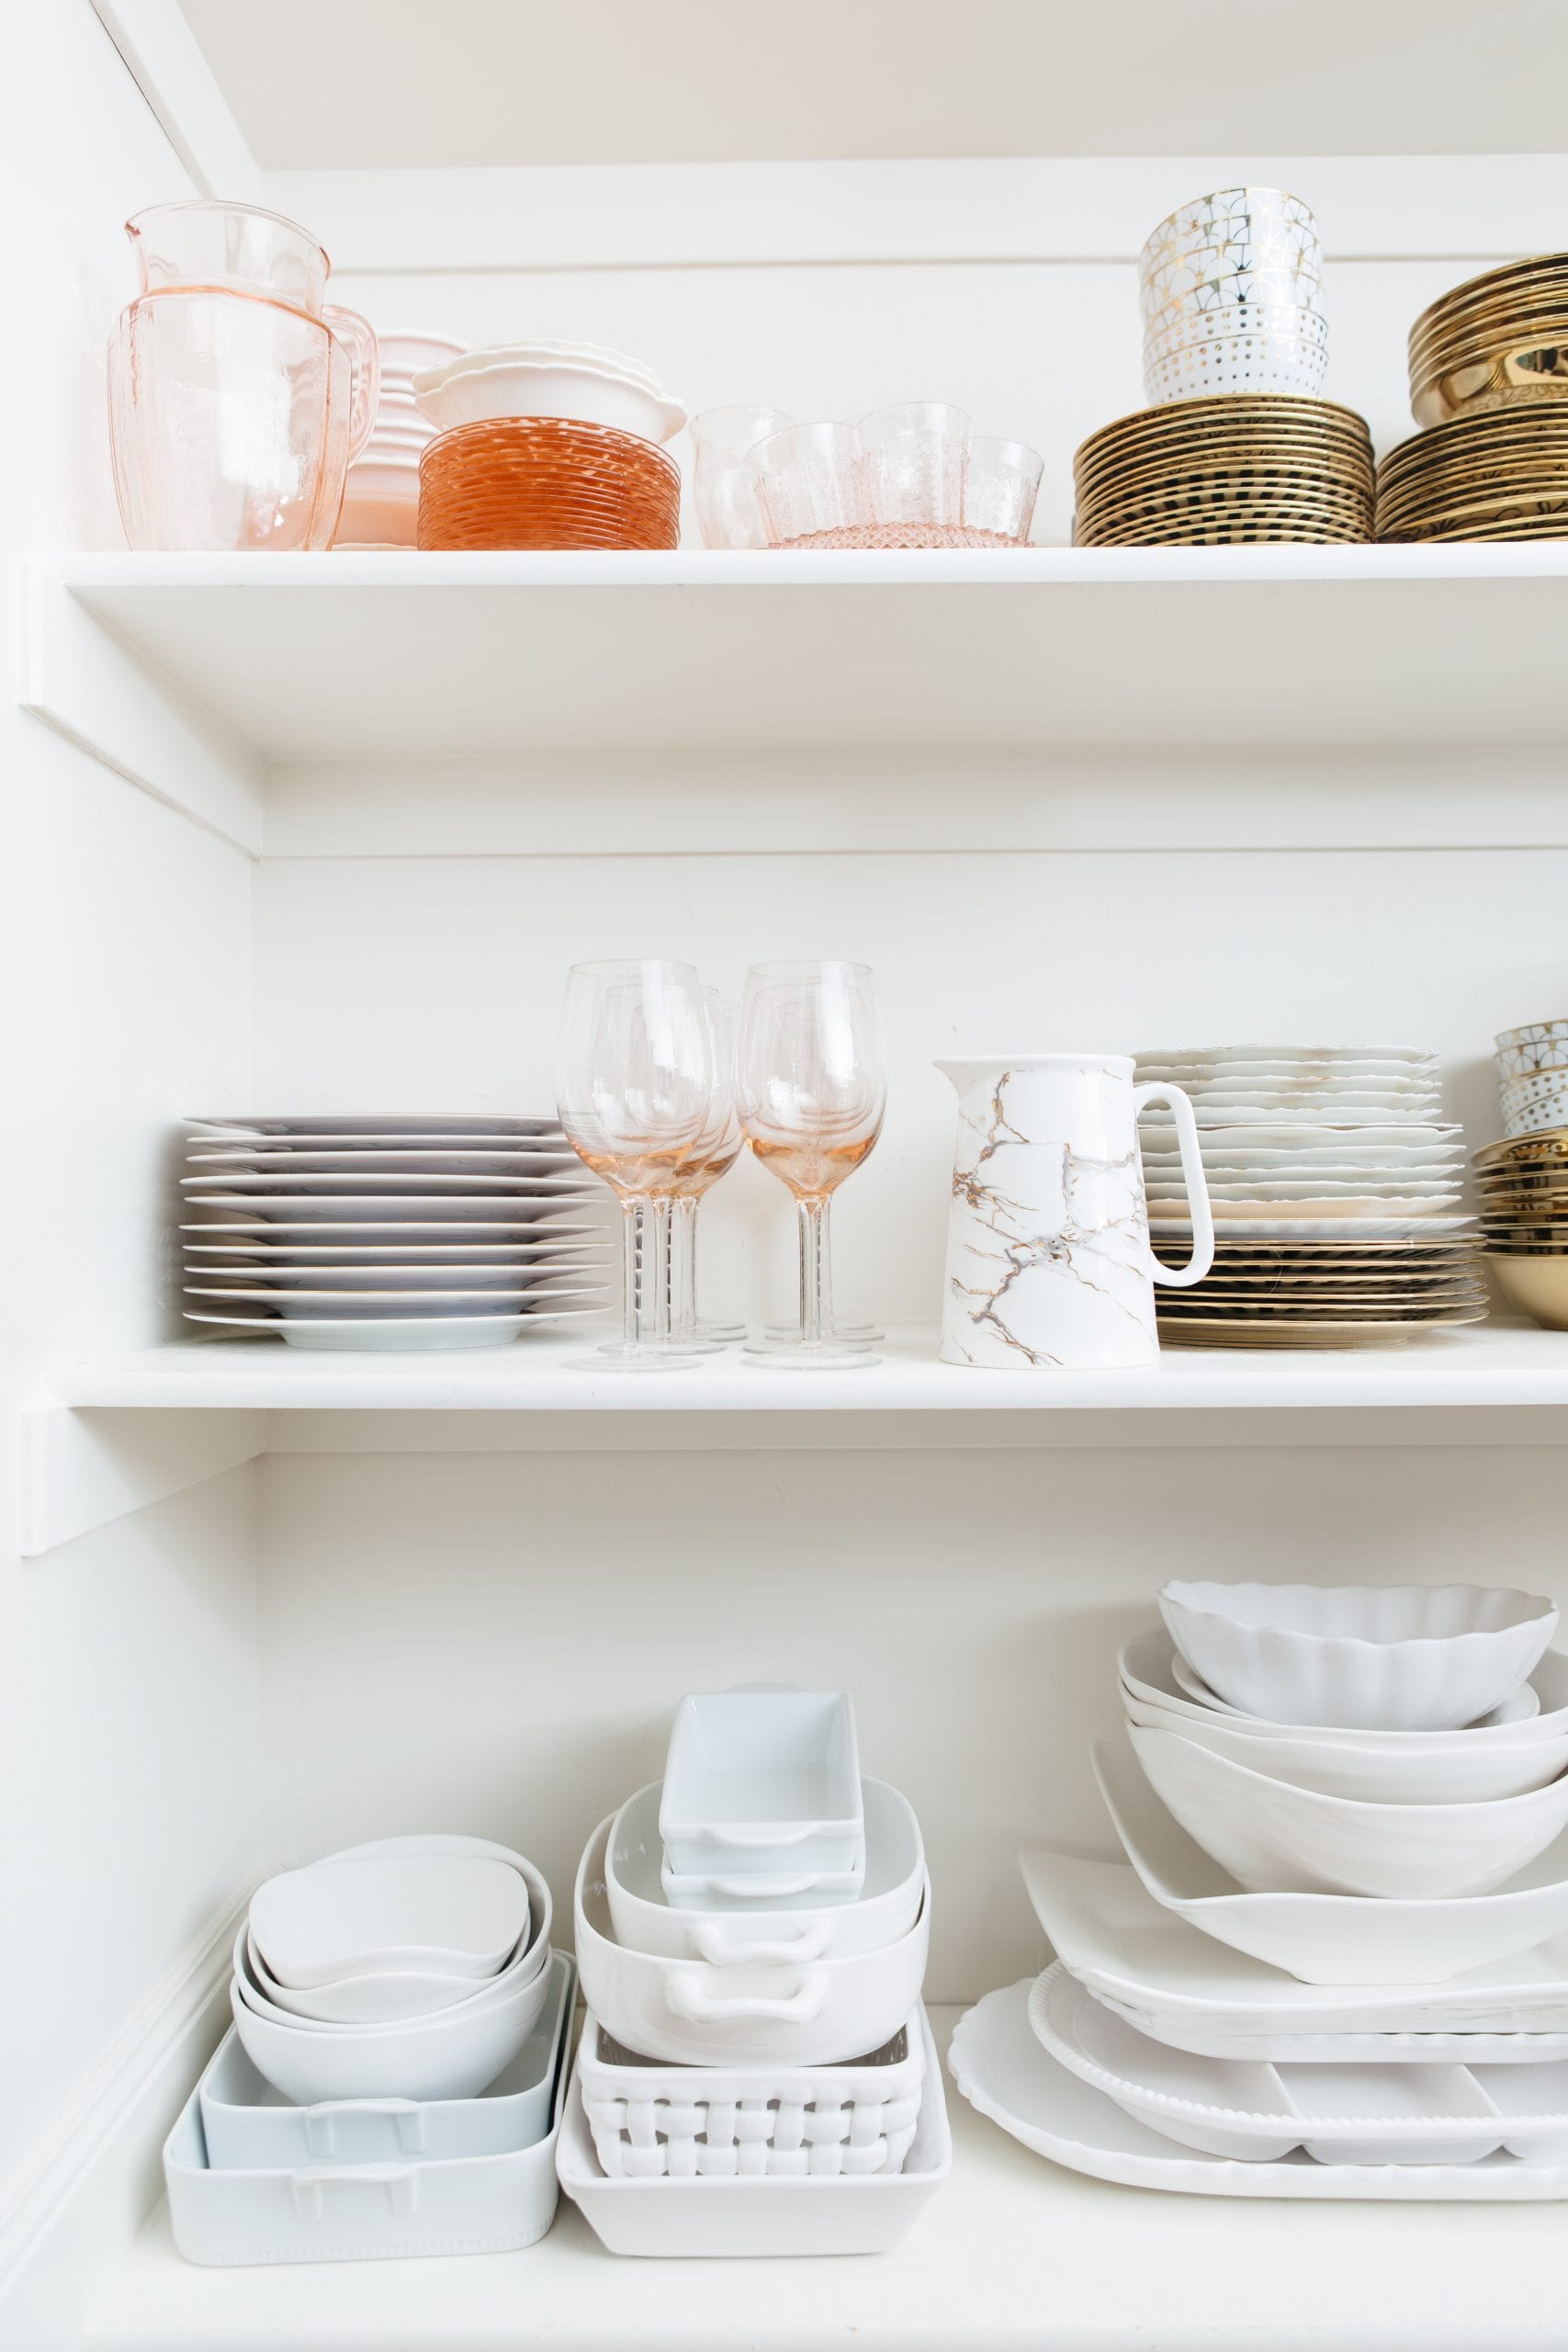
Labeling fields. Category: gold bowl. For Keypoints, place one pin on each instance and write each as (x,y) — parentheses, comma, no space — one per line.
(1537,1286)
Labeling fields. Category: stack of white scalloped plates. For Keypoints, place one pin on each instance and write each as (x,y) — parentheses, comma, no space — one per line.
(1335,1187)
(390,1233)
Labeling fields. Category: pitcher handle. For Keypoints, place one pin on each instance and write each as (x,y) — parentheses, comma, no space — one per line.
(1197,1183)
(358,337)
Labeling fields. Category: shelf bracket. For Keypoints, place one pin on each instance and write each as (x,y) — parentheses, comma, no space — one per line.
(79,1469)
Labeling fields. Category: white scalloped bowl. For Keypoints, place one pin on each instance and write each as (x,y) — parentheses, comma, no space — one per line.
(1277,1839)
(1369,1657)
(482,386)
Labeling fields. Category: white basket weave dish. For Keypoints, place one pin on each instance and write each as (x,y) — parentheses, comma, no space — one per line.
(653,2122)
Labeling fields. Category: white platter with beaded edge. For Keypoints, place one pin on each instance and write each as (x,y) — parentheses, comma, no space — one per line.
(1003,2072)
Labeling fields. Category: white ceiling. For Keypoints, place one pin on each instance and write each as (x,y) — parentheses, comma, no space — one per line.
(370,84)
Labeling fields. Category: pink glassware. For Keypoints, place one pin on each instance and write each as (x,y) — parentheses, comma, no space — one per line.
(238,396)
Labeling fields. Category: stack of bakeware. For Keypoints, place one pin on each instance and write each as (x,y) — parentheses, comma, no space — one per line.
(755,2074)
(1326,1966)
(1488,375)
(1231,289)
(1229,470)
(393,2080)
(381,498)
(387,1232)
(1335,1185)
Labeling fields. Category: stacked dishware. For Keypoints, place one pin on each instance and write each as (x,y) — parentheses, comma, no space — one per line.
(547,445)
(1231,287)
(393,2079)
(1230,469)
(1334,1186)
(1346,1858)
(1523,1178)
(1488,372)
(390,1233)
(381,498)
(751,1934)
(915,475)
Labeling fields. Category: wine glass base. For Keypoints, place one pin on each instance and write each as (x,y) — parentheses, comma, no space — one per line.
(841,1335)
(806,1355)
(721,1334)
(616,1356)
(688,1343)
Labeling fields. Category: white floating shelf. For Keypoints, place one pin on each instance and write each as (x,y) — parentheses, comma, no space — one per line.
(1014,2252)
(255,661)
(1490,1365)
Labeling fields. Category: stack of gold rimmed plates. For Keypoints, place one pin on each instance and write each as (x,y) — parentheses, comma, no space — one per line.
(1335,1185)
(1497,341)
(1490,473)
(1523,1183)
(1236,469)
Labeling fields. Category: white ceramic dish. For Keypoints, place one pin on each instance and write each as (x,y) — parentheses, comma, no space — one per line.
(275,1278)
(1271,1836)
(388,1184)
(1332,1939)
(1316,1760)
(394,1336)
(1520,1707)
(254,1988)
(816,2214)
(1258,2111)
(249,2126)
(1000,2068)
(461,1914)
(480,2199)
(389,1999)
(889,1903)
(1390,1658)
(751,2122)
(454,2055)
(445,1123)
(763,1890)
(1113,1935)
(763,1780)
(468,393)
(311,1303)
(816,2013)
(403,1160)
(405,1212)
(1148,1664)
(1409,2048)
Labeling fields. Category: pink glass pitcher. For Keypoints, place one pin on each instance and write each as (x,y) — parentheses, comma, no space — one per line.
(238,395)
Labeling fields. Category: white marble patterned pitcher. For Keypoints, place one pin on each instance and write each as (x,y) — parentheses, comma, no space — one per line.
(1048,1256)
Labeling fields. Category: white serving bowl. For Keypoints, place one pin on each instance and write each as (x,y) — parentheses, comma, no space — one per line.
(479,387)
(454,2055)
(818,2013)
(455,1915)
(388,1999)
(1458,1773)
(1390,1657)
(1538,1710)
(1355,1939)
(643,1920)
(255,1989)
(1278,1840)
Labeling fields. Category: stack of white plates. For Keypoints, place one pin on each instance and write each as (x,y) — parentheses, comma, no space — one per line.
(390,1233)
(380,501)
(1336,1186)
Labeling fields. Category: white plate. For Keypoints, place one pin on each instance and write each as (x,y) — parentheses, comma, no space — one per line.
(1310,1136)
(1273,1056)
(1270,1225)
(1357,1208)
(369,1167)
(408,1301)
(394,1336)
(1410,2049)
(1259,2111)
(1108,1928)
(532,1236)
(1001,2070)
(575,1243)
(335,1122)
(1331,1938)
(412,1214)
(389,1184)
(389,1276)
(464,1139)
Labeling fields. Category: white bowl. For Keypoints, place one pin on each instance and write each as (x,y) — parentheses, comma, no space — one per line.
(889,1904)
(455,2055)
(1390,1657)
(1521,1707)
(1276,1838)
(818,2013)
(763,1781)
(259,1992)
(456,1915)
(1465,1772)
(1364,1940)
(390,2000)
(471,393)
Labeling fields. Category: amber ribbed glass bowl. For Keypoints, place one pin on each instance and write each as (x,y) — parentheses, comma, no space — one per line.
(547,482)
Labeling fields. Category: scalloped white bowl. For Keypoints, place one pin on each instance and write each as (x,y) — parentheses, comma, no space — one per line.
(1382,1657)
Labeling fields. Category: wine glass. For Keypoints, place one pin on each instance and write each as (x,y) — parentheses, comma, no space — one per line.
(811,1086)
(718,1150)
(637,1063)
(728,513)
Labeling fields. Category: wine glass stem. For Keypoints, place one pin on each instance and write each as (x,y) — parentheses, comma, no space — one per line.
(631,1230)
(686,1271)
(660,1271)
(824,1264)
(813,1219)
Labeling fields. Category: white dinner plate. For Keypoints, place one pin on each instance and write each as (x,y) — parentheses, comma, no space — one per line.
(392,1335)
(314,1123)
(1271,1227)
(411,1212)
(254,1250)
(391,1185)
(464,1139)
(406,1300)
(1298,1135)
(371,1166)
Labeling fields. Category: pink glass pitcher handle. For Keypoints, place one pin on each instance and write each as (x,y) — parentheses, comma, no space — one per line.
(358,337)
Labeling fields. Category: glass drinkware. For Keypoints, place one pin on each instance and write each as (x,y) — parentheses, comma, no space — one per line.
(238,396)
(722,492)
(636,1090)
(811,1088)
(718,1150)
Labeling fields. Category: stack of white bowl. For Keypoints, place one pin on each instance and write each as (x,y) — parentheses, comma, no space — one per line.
(381,498)
(583,382)
(751,1936)
(1230,285)
(1349,1857)
(412,1968)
